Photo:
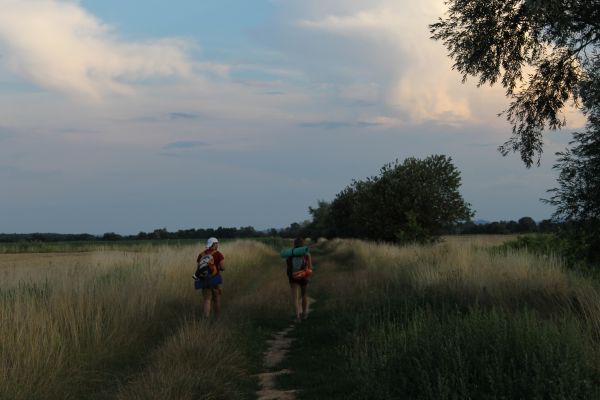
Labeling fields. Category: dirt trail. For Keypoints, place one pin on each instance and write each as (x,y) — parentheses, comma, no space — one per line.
(275,354)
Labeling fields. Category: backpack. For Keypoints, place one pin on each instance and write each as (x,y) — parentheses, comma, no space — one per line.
(205,268)
(298,267)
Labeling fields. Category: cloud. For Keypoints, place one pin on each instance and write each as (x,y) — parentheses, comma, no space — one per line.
(378,54)
(337,124)
(16,173)
(185,144)
(6,133)
(420,83)
(183,115)
(60,46)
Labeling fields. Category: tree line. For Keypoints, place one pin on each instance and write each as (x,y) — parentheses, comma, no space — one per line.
(416,200)
(522,226)
(156,234)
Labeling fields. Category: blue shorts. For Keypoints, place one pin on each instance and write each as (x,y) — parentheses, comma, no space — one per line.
(209,282)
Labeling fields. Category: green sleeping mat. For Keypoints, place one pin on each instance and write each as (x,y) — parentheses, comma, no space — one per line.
(296,251)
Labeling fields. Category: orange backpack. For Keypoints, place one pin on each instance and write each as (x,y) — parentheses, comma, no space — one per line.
(299,267)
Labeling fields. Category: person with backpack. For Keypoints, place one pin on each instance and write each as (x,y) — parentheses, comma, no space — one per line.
(299,269)
(210,263)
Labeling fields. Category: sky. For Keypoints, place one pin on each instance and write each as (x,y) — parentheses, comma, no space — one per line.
(130,116)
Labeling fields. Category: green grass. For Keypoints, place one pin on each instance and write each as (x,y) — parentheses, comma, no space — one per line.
(423,323)
(448,321)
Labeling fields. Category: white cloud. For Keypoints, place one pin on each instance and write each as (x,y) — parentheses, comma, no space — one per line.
(60,46)
(416,76)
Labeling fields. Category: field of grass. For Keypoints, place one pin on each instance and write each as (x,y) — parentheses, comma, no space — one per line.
(118,245)
(112,324)
(450,321)
(456,320)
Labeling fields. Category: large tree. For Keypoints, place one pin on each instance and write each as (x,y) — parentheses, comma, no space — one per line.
(577,197)
(541,51)
(412,201)
(557,43)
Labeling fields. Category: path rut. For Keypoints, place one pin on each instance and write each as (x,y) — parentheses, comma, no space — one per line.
(279,346)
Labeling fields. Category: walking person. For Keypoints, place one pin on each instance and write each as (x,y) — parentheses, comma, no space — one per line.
(208,277)
(299,269)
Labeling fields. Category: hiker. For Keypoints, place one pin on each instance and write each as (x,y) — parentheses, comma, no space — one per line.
(211,260)
(299,266)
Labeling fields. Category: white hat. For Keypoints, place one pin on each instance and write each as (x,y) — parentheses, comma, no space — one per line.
(211,241)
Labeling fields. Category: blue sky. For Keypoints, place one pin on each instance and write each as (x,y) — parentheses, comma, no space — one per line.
(129,116)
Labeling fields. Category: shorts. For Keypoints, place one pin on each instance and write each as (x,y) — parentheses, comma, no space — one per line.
(301,282)
(216,280)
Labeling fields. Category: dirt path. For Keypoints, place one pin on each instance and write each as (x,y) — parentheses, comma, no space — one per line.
(275,354)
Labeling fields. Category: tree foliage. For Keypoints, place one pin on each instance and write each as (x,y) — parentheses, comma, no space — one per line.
(416,200)
(499,40)
(577,197)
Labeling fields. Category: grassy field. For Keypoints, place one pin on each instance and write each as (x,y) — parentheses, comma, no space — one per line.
(119,324)
(456,320)
(118,245)
(450,321)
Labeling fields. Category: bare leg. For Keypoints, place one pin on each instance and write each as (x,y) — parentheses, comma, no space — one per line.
(217,300)
(206,300)
(206,307)
(305,301)
(295,288)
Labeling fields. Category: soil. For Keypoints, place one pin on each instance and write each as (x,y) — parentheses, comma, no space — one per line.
(279,346)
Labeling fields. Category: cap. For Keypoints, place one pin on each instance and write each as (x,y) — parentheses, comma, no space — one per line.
(211,241)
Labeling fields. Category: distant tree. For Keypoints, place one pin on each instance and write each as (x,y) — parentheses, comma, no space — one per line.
(294,230)
(273,232)
(547,226)
(502,41)
(111,236)
(247,232)
(413,201)
(513,226)
(497,228)
(526,225)
(345,210)
(142,236)
(321,224)
(38,237)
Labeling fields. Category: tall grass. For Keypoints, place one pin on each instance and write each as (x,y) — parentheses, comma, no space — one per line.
(113,324)
(85,246)
(450,321)
(119,245)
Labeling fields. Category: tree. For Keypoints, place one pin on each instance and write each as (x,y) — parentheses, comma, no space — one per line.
(577,196)
(111,236)
(498,40)
(413,201)
(526,225)
(321,224)
(347,208)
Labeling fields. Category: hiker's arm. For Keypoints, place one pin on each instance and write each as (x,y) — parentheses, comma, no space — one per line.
(221,265)
(309,262)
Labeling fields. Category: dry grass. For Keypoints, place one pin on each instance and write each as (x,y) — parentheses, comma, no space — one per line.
(70,322)
(463,269)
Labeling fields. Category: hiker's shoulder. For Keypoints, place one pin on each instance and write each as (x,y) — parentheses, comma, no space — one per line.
(217,255)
